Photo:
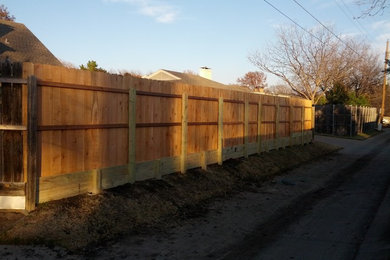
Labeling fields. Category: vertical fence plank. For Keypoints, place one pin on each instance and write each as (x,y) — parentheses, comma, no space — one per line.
(132,141)
(184,133)
(220,130)
(32,140)
(259,119)
(246,128)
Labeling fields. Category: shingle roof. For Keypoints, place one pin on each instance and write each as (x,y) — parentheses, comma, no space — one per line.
(19,44)
(195,80)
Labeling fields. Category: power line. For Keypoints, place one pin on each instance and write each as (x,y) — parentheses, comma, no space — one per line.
(347,16)
(329,30)
(297,24)
(354,19)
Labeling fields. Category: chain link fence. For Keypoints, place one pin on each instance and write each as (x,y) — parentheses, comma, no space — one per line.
(345,120)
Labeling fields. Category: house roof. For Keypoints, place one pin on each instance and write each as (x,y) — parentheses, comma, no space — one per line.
(191,79)
(19,44)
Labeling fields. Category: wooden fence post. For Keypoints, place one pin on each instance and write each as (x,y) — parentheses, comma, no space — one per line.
(184,132)
(259,119)
(313,122)
(203,160)
(96,186)
(356,120)
(277,126)
(246,128)
(220,130)
(28,70)
(157,169)
(291,125)
(333,118)
(302,124)
(350,121)
(32,142)
(132,116)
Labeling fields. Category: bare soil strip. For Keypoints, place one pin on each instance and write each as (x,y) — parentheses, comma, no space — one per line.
(82,223)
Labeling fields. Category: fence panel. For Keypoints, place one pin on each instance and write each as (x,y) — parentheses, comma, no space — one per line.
(90,140)
(345,120)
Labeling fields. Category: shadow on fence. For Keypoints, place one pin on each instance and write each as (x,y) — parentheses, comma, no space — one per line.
(345,120)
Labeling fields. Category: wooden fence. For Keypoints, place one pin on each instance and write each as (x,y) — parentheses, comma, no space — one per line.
(96,131)
(345,120)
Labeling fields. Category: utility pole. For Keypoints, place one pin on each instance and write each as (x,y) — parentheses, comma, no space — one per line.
(384,83)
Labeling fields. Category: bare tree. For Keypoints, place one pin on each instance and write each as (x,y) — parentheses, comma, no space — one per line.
(190,72)
(68,64)
(365,75)
(311,63)
(254,80)
(373,7)
(5,15)
(308,63)
(280,89)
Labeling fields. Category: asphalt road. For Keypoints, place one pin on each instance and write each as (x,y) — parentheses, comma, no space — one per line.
(348,220)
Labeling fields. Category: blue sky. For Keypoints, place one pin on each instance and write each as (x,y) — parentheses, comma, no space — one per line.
(147,35)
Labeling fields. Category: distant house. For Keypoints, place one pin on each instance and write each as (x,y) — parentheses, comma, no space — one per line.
(203,79)
(19,44)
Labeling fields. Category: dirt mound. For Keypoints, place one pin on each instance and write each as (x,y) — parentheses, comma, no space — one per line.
(85,221)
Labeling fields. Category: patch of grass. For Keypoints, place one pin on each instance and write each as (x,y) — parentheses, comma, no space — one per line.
(82,222)
(368,134)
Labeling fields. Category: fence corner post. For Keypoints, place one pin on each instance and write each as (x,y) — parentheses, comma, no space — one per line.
(32,143)
(131,152)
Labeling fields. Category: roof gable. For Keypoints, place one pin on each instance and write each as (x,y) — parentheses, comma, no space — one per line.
(191,79)
(162,75)
(19,44)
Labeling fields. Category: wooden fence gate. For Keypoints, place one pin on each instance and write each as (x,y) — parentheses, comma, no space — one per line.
(17,189)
